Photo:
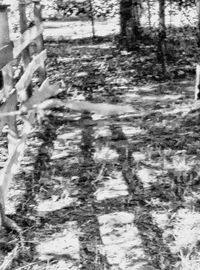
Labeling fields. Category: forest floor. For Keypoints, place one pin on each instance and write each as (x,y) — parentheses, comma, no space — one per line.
(120,192)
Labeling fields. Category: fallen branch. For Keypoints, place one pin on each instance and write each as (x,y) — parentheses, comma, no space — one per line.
(99,108)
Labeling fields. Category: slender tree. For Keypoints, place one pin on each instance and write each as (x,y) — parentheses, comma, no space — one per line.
(125,15)
(198,23)
(170,13)
(91,17)
(162,36)
(149,12)
(135,19)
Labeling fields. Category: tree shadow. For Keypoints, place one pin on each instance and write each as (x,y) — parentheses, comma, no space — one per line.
(150,233)
(84,41)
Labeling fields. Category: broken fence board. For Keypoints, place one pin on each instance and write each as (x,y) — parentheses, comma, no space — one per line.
(45,91)
(7,80)
(39,40)
(26,38)
(25,80)
(8,172)
(98,108)
(6,55)
(25,54)
(9,106)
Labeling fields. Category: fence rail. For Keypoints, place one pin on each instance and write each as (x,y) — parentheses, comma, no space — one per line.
(26,38)
(21,93)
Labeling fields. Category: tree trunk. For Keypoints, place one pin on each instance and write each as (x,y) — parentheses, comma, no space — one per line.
(125,15)
(135,22)
(170,13)
(149,13)
(162,36)
(91,16)
(198,23)
(130,23)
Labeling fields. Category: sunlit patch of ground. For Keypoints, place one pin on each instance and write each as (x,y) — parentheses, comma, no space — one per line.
(78,29)
(63,245)
(138,156)
(55,203)
(130,130)
(102,132)
(105,154)
(160,98)
(148,176)
(183,240)
(66,144)
(122,242)
(111,186)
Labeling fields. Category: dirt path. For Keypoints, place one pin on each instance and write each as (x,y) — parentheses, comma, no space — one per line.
(118,192)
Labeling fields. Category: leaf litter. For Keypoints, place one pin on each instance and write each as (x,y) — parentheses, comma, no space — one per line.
(150,160)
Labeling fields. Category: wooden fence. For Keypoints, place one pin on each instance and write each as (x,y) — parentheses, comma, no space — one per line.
(22,94)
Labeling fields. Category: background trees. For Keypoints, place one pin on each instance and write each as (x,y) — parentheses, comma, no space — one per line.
(170,25)
(162,36)
(198,23)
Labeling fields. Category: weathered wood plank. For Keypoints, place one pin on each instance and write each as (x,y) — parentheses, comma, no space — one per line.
(8,172)
(5,44)
(7,72)
(26,38)
(8,106)
(4,29)
(12,99)
(39,40)
(25,80)
(6,55)
(45,91)
(5,175)
(26,57)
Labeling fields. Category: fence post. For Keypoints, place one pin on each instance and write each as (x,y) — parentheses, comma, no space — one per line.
(8,78)
(5,40)
(7,73)
(4,29)
(39,41)
(26,53)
